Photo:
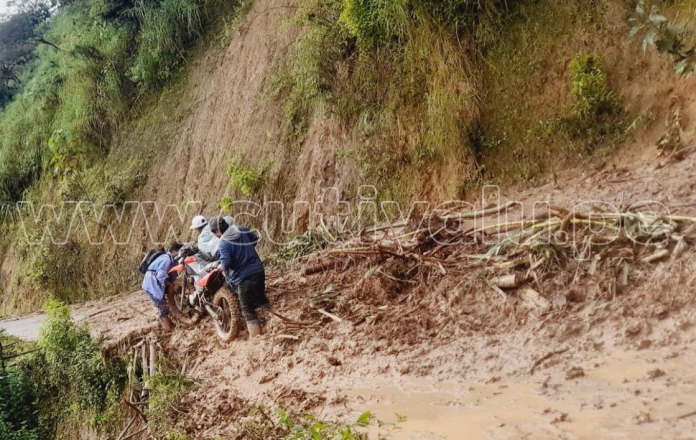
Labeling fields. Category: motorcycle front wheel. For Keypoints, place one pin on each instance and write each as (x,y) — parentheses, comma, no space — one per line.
(179,307)
(228,320)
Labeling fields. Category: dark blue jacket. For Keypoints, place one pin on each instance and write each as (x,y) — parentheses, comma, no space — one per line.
(238,254)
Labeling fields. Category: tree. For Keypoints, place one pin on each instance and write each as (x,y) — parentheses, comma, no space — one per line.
(19,36)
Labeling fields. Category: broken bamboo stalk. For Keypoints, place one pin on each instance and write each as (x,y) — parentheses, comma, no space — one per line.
(657,256)
(497,290)
(330,315)
(143,359)
(506,281)
(532,296)
(153,358)
(474,214)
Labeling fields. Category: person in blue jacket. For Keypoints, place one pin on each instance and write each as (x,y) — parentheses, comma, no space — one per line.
(156,281)
(243,269)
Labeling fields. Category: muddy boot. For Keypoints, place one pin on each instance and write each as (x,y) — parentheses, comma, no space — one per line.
(166,323)
(254,329)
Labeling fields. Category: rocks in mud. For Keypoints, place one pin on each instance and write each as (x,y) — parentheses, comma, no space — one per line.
(575,373)
(654,374)
(333,361)
(558,416)
(644,344)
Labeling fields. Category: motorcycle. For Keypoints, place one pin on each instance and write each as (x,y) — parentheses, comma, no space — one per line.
(201,289)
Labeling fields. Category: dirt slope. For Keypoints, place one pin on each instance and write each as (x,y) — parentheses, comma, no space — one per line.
(453,357)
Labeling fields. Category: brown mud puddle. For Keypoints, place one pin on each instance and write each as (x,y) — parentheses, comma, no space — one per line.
(641,395)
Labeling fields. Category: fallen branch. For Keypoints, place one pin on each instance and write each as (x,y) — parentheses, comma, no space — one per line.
(687,415)
(546,357)
(135,408)
(330,315)
(127,428)
(135,433)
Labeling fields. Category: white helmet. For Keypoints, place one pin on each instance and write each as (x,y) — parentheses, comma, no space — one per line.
(198,222)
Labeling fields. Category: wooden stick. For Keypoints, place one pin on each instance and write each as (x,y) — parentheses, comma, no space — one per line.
(684,416)
(658,255)
(330,315)
(135,408)
(545,357)
(135,433)
(128,426)
(153,358)
(474,214)
(288,320)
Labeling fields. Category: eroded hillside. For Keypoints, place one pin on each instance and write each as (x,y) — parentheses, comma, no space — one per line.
(268,110)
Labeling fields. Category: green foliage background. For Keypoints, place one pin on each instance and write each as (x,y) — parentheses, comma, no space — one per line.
(105,57)
(65,376)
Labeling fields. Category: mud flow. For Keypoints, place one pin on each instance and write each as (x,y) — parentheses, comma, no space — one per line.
(442,343)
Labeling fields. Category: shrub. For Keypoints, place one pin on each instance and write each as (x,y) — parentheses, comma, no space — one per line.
(311,428)
(589,88)
(74,374)
(245,178)
(65,376)
(168,386)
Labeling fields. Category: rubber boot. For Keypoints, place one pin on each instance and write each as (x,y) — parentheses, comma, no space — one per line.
(254,329)
(166,323)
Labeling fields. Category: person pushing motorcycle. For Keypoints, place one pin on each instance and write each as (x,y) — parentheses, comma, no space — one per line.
(208,243)
(243,268)
(157,280)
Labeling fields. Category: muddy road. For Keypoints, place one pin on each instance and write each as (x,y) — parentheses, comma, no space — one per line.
(442,355)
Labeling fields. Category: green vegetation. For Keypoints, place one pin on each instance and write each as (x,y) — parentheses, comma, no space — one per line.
(402,72)
(104,57)
(443,88)
(246,178)
(312,429)
(64,377)
(676,36)
(299,246)
(589,88)
(80,80)
(167,388)
(548,100)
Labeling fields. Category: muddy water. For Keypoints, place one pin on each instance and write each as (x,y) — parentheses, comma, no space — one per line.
(617,398)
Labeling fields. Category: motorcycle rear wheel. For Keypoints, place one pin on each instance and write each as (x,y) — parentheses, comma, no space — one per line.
(179,308)
(228,321)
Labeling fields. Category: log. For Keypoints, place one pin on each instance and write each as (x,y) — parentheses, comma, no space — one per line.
(320,266)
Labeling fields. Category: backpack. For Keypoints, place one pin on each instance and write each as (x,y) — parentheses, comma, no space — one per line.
(150,257)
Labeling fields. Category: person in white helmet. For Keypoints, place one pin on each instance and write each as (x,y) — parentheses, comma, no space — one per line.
(208,243)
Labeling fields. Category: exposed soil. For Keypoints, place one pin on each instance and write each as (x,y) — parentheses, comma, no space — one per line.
(453,357)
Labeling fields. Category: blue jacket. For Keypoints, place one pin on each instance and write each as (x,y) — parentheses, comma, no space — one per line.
(238,254)
(156,275)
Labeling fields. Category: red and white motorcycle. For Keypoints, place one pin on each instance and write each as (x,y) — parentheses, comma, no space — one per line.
(201,289)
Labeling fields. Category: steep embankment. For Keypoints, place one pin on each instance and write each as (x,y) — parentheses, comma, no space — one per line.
(230,107)
(608,354)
